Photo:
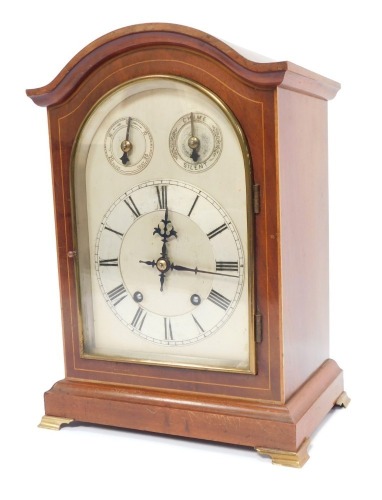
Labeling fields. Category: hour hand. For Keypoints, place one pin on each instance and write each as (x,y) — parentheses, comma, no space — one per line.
(165,232)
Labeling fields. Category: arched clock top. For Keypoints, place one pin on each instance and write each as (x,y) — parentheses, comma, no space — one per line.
(154,35)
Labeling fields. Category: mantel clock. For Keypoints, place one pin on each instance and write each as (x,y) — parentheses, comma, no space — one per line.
(190,188)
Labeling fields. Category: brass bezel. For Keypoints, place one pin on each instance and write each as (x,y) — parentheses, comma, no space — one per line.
(250,233)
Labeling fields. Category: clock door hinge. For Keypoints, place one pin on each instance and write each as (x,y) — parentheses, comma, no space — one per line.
(256,198)
(258,328)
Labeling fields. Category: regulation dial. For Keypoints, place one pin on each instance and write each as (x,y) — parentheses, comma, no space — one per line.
(129,145)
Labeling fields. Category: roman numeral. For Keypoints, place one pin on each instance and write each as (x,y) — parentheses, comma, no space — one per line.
(218,299)
(133,207)
(117,294)
(193,206)
(108,262)
(167,329)
(217,231)
(162,196)
(228,265)
(137,317)
(197,323)
(114,231)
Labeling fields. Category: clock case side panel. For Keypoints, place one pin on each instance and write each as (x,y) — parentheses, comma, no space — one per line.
(304,252)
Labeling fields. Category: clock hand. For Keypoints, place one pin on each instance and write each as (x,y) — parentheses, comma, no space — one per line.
(148,262)
(161,279)
(193,141)
(162,264)
(126,145)
(168,230)
(165,233)
(196,270)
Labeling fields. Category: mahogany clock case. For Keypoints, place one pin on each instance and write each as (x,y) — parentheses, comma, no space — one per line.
(282,110)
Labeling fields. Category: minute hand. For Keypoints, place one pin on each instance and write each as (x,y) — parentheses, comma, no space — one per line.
(196,271)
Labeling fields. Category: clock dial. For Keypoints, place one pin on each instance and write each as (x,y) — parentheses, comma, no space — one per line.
(163,254)
(168,274)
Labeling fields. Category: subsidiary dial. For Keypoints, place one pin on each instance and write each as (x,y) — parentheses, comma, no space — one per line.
(129,145)
(196,142)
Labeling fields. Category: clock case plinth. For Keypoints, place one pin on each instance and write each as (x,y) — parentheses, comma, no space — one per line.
(279,430)
(282,109)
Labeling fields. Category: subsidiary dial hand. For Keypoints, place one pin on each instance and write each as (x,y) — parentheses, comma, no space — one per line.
(126,145)
(196,271)
(193,141)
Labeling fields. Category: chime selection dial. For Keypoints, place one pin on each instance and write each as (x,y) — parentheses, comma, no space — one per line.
(196,142)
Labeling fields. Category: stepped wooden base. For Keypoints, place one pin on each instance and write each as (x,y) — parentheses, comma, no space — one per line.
(279,430)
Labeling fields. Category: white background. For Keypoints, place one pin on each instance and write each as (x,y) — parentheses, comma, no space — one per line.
(339,39)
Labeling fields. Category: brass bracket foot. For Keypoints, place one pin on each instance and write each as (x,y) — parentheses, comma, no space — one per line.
(53,423)
(343,400)
(289,458)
